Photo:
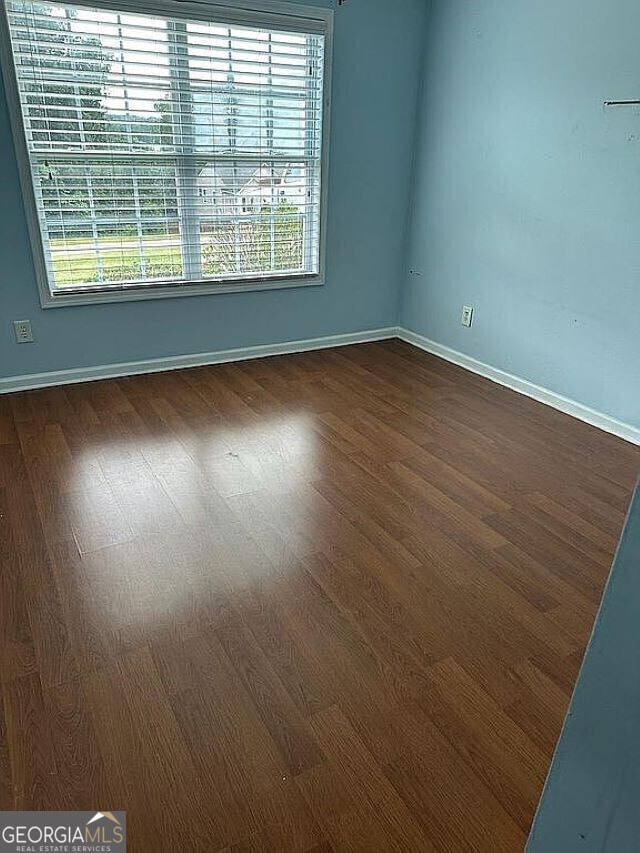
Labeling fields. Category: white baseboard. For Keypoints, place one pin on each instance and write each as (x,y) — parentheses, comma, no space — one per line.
(178,362)
(522,386)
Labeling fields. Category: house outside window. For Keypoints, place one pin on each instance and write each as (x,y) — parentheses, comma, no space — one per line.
(178,149)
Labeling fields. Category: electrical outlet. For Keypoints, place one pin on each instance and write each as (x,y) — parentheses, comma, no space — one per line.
(467,316)
(22,329)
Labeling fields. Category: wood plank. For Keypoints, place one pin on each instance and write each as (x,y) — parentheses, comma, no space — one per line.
(81,773)
(376,806)
(454,807)
(34,770)
(273,704)
(146,757)
(49,630)
(17,654)
(246,781)
(6,788)
(509,763)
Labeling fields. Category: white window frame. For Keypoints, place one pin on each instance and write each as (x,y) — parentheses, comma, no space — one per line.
(252,12)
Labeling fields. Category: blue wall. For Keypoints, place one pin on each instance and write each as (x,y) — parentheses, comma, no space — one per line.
(373,118)
(527,194)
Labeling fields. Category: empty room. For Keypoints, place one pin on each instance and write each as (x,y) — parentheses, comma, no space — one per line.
(319,426)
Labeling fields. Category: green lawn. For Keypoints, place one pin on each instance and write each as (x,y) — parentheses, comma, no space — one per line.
(225,250)
(116,265)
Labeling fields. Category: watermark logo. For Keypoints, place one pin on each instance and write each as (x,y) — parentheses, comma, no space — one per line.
(63,832)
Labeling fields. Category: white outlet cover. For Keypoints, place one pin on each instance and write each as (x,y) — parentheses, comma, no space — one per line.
(467,316)
(22,330)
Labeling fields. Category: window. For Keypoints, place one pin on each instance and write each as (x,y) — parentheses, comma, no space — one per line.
(141,135)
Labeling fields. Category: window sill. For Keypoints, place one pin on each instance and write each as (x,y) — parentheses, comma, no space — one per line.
(67,298)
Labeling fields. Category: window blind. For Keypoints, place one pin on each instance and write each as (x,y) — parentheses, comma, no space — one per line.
(170,150)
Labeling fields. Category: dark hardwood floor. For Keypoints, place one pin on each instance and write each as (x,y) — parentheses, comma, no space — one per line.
(330,601)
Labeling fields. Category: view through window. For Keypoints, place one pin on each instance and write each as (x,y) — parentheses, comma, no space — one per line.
(166,150)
